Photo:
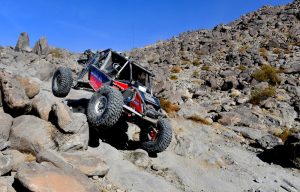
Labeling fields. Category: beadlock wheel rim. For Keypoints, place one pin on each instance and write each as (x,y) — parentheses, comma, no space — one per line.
(100,105)
(57,81)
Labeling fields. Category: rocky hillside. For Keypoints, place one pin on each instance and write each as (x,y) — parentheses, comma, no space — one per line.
(232,95)
(245,73)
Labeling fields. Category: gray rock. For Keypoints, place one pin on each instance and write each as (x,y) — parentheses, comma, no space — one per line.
(288,114)
(249,133)
(62,117)
(42,103)
(31,134)
(194,110)
(47,177)
(186,146)
(87,162)
(4,144)
(18,159)
(14,95)
(5,163)
(77,140)
(6,184)
(30,85)
(41,47)
(269,141)
(139,157)
(293,68)
(5,125)
(23,43)
(53,157)
(229,118)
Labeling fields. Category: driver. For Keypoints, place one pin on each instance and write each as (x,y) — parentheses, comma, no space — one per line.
(141,79)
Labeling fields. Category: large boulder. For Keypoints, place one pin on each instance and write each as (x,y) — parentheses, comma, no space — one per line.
(6,184)
(78,138)
(5,125)
(42,103)
(5,163)
(30,85)
(41,47)
(269,141)
(87,162)
(31,134)
(46,177)
(63,117)
(14,95)
(19,158)
(23,43)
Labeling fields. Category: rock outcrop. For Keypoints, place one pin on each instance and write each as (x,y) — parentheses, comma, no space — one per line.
(23,43)
(31,134)
(41,47)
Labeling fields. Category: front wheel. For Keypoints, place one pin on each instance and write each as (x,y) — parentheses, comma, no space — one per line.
(62,82)
(105,107)
(155,139)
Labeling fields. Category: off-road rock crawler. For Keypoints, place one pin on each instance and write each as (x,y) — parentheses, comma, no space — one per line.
(122,88)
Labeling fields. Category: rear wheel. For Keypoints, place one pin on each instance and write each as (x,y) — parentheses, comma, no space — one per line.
(62,82)
(105,107)
(155,139)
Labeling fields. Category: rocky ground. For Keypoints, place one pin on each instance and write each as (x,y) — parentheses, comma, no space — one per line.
(232,95)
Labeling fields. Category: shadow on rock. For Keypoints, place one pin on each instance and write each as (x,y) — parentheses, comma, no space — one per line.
(279,155)
(116,136)
(78,105)
(17,185)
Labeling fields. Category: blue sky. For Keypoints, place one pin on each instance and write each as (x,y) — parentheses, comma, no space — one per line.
(119,24)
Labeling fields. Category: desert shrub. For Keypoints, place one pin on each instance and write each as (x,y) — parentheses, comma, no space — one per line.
(176,69)
(205,68)
(241,67)
(56,53)
(288,51)
(297,44)
(173,77)
(168,106)
(285,134)
(260,94)
(268,74)
(195,74)
(263,52)
(277,51)
(198,119)
(29,157)
(196,62)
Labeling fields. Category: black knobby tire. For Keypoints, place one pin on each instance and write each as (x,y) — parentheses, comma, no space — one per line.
(62,82)
(105,107)
(162,139)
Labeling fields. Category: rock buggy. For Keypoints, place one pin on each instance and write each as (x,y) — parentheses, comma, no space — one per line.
(121,88)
